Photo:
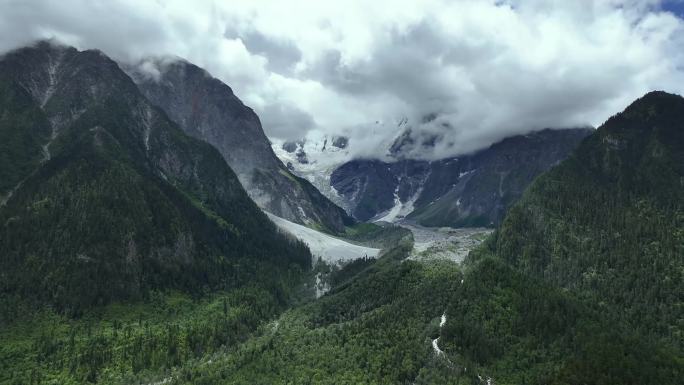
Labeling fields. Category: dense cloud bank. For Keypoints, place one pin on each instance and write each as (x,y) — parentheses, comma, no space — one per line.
(463,74)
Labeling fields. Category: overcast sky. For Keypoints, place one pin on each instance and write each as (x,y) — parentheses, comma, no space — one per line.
(484,69)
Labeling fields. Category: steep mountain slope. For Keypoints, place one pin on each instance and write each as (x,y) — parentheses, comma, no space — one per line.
(207,109)
(609,221)
(121,201)
(471,190)
(377,189)
(400,321)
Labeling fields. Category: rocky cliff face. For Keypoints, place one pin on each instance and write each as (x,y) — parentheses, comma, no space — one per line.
(207,109)
(374,189)
(471,190)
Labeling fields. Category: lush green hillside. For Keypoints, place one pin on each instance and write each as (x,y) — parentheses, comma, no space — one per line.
(517,330)
(375,329)
(379,328)
(609,221)
(122,201)
(133,342)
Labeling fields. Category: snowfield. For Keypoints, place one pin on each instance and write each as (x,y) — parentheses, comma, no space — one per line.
(328,248)
(322,159)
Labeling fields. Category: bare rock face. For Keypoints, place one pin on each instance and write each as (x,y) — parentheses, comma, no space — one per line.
(207,109)
(471,190)
(340,142)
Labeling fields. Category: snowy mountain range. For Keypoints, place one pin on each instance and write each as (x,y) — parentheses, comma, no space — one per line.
(470,190)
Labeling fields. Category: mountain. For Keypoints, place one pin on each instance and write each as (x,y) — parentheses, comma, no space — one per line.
(150,264)
(314,158)
(471,190)
(207,109)
(581,285)
(608,222)
(106,199)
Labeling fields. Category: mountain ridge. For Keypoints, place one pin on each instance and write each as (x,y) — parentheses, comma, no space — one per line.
(609,221)
(122,201)
(206,108)
(470,190)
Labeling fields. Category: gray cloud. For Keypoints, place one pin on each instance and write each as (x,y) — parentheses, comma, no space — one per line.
(282,55)
(484,69)
(286,122)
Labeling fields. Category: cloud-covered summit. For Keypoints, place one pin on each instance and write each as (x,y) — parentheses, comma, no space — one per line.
(482,70)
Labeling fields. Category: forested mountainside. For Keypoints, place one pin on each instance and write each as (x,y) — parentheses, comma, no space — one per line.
(529,307)
(207,109)
(106,199)
(609,221)
(389,321)
(400,321)
(471,190)
(132,255)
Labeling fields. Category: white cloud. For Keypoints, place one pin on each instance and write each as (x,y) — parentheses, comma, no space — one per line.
(488,69)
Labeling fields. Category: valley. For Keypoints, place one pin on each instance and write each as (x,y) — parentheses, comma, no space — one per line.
(165,239)
(329,249)
(429,243)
